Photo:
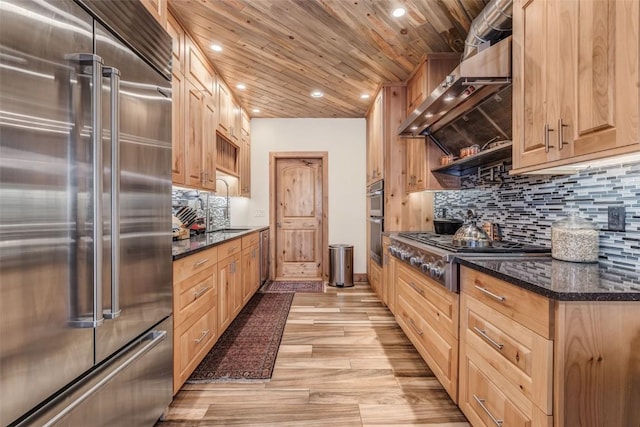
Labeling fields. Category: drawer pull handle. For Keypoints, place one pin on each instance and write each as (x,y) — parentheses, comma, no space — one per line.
(496,421)
(415,327)
(491,294)
(199,263)
(487,338)
(416,288)
(199,293)
(231,249)
(204,334)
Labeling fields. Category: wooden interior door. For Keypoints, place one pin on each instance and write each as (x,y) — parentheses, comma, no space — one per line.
(299,218)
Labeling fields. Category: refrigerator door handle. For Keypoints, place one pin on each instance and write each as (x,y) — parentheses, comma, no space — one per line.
(95,63)
(155,337)
(114,77)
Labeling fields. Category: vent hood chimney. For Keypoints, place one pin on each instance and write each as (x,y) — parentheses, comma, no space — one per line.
(484,71)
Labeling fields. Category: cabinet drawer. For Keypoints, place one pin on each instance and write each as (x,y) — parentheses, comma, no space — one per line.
(250,240)
(438,349)
(435,303)
(194,296)
(485,403)
(192,264)
(194,342)
(522,357)
(230,248)
(527,308)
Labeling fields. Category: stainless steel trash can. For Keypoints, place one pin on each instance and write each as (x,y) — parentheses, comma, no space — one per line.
(341,265)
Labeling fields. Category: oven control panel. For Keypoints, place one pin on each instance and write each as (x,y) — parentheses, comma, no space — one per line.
(429,264)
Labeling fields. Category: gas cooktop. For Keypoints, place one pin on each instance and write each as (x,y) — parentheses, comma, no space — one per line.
(446,242)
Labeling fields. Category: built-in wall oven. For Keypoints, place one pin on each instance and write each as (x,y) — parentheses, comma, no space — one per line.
(375,197)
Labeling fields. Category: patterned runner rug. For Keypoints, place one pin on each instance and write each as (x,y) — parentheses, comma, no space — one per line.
(247,350)
(309,287)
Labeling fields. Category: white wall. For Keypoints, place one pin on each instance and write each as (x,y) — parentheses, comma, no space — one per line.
(345,142)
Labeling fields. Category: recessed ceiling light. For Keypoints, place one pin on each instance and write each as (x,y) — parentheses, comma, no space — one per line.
(317,94)
(216,48)
(414,128)
(398,12)
(255,110)
(241,86)
(449,98)
(365,96)
(428,115)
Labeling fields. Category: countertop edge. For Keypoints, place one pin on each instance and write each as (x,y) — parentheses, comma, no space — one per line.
(230,238)
(558,296)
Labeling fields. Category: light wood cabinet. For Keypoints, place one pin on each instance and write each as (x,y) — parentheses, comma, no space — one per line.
(195,300)
(158,9)
(422,157)
(225,108)
(375,278)
(178,166)
(375,140)
(250,266)
(542,362)
(575,73)
(177,34)
(245,156)
(427,76)
(200,151)
(388,279)
(229,282)
(428,314)
(197,68)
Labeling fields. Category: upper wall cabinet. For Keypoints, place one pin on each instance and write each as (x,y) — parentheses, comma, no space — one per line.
(197,69)
(225,109)
(576,79)
(424,79)
(375,140)
(177,47)
(157,8)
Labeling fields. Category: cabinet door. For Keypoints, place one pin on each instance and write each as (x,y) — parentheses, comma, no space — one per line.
(575,69)
(178,173)
(177,48)
(236,278)
(416,164)
(245,166)
(226,290)
(194,129)
(224,102)
(375,143)
(417,88)
(250,273)
(531,82)
(209,148)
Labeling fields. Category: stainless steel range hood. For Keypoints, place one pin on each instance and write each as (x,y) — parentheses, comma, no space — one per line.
(469,84)
(484,71)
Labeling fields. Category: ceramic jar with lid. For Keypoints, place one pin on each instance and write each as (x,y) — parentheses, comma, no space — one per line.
(574,239)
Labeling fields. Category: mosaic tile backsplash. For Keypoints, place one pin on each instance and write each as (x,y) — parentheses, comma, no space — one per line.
(525,206)
(219,211)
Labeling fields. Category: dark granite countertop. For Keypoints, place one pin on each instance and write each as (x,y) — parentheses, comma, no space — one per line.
(564,281)
(197,243)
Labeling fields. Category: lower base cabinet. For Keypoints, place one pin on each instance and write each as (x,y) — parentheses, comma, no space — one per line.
(428,315)
(375,278)
(195,296)
(208,293)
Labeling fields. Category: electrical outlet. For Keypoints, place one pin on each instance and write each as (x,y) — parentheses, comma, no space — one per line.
(259,213)
(616,220)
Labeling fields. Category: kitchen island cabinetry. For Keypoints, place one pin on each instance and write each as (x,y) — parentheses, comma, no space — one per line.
(575,72)
(195,301)
(527,359)
(428,315)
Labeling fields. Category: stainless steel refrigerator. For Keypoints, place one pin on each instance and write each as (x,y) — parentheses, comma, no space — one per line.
(85,214)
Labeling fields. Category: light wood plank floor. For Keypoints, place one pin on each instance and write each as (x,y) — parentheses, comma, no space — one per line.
(343,361)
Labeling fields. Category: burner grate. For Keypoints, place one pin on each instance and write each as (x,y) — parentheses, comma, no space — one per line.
(446,242)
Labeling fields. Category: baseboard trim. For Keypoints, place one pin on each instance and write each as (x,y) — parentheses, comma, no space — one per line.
(360,277)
